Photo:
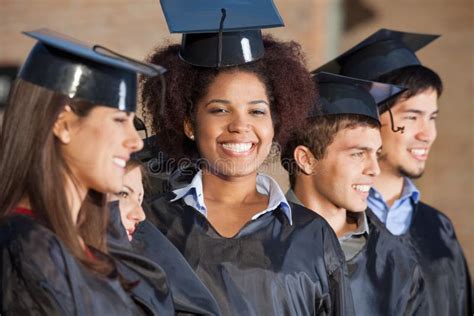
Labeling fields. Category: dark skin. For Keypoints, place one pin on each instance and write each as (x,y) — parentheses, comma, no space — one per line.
(233,130)
(230,205)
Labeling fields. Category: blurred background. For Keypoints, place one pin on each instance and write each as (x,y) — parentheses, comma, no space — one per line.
(324,28)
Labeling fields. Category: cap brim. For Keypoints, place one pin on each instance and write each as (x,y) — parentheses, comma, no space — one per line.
(94,53)
(380,92)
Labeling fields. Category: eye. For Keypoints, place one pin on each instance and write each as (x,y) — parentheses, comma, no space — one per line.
(122,194)
(120,119)
(410,118)
(358,154)
(434,117)
(218,111)
(379,153)
(258,112)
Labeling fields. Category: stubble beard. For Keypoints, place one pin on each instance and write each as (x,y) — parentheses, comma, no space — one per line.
(402,171)
(411,174)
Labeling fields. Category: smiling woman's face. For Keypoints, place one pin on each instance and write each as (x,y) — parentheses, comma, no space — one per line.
(233,125)
(98,147)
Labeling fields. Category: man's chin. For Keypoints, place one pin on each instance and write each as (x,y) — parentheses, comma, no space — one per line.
(412,174)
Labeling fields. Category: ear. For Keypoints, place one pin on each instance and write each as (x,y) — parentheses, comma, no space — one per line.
(305,159)
(188,128)
(63,125)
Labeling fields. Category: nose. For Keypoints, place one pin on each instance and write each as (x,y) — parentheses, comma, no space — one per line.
(137,214)
(427,131)
(372,169)
(133,141)
(239,123)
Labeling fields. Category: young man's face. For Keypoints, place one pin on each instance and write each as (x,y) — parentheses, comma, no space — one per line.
(405,154)
(347,171)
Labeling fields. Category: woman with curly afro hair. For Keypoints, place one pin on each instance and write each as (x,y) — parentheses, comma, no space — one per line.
(257,253)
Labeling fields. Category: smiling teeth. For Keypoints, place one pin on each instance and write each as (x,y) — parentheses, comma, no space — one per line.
(361,187)
(237,147)
(418,152)
(120,162)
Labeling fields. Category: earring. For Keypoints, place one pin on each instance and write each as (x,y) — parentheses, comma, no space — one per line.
(191,136)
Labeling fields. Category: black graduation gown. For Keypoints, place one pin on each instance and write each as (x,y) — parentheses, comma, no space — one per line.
(150,288)
(190,295)
(165,282)
(39,276)
(269,268)
(385,276)
(432,237)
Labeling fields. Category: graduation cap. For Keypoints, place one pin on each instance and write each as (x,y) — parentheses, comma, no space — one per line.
(89,72)
(220,33)
(345,95)
(378,54)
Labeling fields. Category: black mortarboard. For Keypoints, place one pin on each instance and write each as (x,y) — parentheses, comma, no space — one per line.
(378,54)
(220,33)
(89,72)
(345,95)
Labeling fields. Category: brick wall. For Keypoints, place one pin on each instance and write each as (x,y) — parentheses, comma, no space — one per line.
(135,27)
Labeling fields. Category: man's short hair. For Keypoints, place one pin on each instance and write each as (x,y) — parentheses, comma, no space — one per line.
(318,134)
(416,79)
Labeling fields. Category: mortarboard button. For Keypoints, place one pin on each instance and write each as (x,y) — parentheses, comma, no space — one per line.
(220,33)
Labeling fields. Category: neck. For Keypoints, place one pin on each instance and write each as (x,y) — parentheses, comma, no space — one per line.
(389,185)
(312,199)
(24,203)
(229,190)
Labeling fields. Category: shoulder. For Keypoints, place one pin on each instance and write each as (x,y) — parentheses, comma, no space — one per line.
(36,247)
(433,216)
(25,230)
(35,261)
(308,219)
(429,210)
(305,218)
(161,210)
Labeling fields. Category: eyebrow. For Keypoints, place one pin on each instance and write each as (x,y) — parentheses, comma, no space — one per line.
(413,111)
(217,101)
(360,148)
(129,188)
(419,111)
(228,102)
(259,101)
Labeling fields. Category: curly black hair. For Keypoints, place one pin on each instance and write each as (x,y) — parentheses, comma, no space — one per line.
(282,69)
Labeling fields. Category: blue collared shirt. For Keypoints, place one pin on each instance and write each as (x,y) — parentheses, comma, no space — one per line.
(397,218)
(192,194)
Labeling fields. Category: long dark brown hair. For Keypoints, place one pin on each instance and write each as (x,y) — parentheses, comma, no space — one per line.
(32,166)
